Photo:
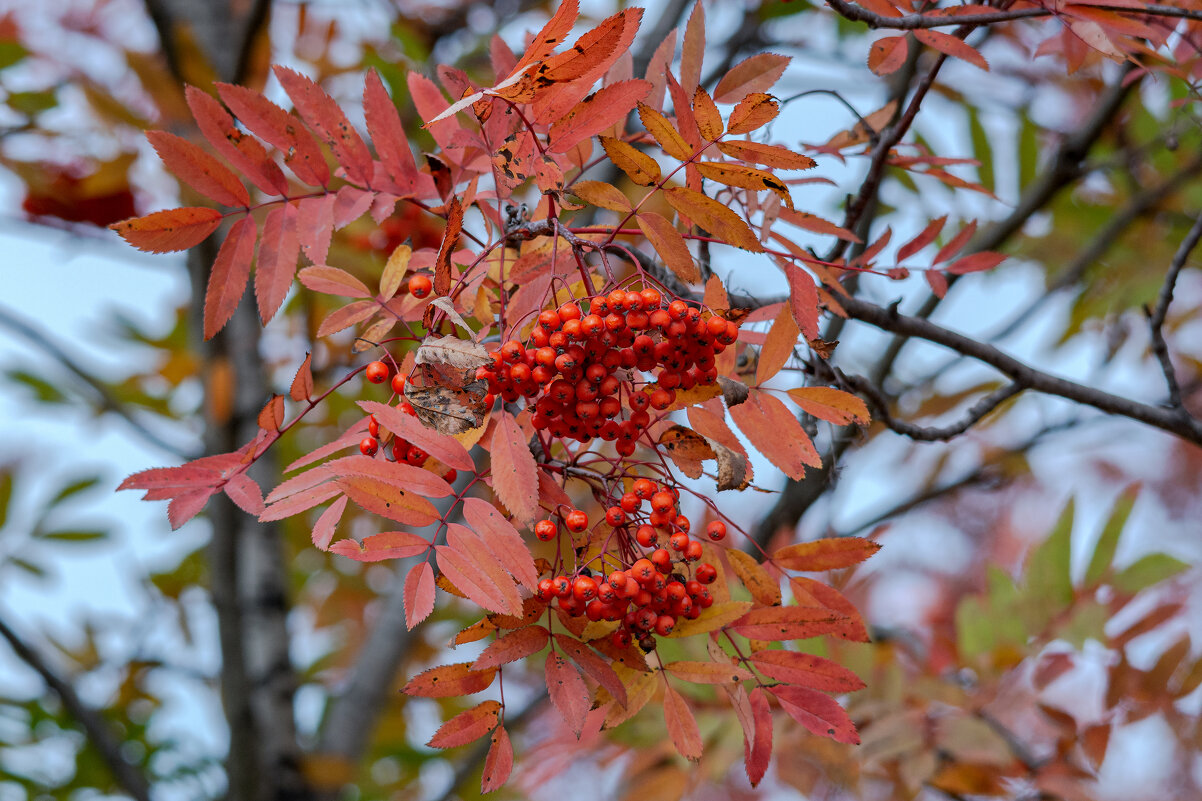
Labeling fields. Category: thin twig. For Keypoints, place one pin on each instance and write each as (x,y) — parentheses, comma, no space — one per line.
(975,413)
(1156,318)
(100,733)
(911,22)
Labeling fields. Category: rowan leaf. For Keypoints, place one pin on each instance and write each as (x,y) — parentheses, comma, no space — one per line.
(394,271)
(952,46)
(757,749)
(449,410)
(593,666)
(567,690)
(597,112)
(713,217)
(231,271)
(418,594)
(638,166)
(787,623)
(754,111)
(515,645)
(473,548)
(450,238)
(976,262)
(498,763)
(682,726)
(467,726)
(602,195)
(712,619)
(333,281)
(378,547)
(502,540)
(315,223)
(775,156)
(324,116)
(327,523)
(705,112)
(387,500)
(708,672)
(554,32)
(169,230)
(776,433)
(246,153)
(956,243)
(281,130)
(387,133)
(759,73)
(302,382)
(198,169)
(299,502)
(469,577)
(819,714)
(664,133)
(830,404)
(515,479)
(778,346)
(445,449)
(924,238)
(692,50)
(812,222)
(245,492)
(806,670)
(815,592)
(763,588)
(275,265)
(830,553)
(886,56)
(595,49)
(745,178)
(271,416)
(449,681)
(670,246)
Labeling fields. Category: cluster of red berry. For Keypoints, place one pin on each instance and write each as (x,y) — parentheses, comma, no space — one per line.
(402,450)
(579,366)
(642,592)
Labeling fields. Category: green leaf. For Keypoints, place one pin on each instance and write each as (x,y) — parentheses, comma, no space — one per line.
(44,391)
(11,53)
(981,148)
(1028,152)
(1151,569)
(31,103)
(74,536)
(1048,570)
(974,628)
(74,488)
(27,566)
(1108,542)
(6,494)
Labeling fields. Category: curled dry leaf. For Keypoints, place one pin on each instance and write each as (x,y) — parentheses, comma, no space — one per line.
(688,450)
(448,410)
(733,392)
(461,353)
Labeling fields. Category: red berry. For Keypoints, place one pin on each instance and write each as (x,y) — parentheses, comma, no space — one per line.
(663,502)
(615,516)
(716,326)
(377,372)
(706,573)
(621,638)
(420,286)
(398,384)
(546,590)
(716,530)
(644,488)
(662,559)
(450,475)
(651,299)
(549,320)
(692,551)
(645,536)
(369,446)
(373,427)
(562,587)
(664,625)
(584,588)
(576,521)
(545,530)
(679,541)
(643,571)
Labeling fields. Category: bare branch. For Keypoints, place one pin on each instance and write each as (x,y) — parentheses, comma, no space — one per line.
(1156,318)
(103,737)
(975,413)
(911,22)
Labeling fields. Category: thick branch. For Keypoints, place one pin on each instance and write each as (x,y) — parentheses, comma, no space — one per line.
(100,733)
(911,22)
(975,413)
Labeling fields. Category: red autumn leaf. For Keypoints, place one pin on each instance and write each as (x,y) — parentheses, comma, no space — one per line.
(775,623)
(956,244)
(692,51)
(445,449)
(707,672)
(819,714)
(271,416)
(567,690)
(887,55)
(198,169)
(467,726)
(245,493)
(387,133)
(705,112)
(554,32)
(776,433)
(754,111)
(346,316)
(169,230)
(231,271)
(594,666)
(803,300)
(323,115)
(514,475)
(757,754)
(302,382)
(327,523)
(976,262)
(502,540)
(596,113)
(670,246)
(682,726)
(770,155)
(952,46)
(830,553)
(378,547)
(187,505)
(333,281)
(778,346)
(450,238)
(246,153)
(811,222)
(594,48)
(281,130)
(515,645)
(470,579)
(299,502)
(384,499)
(498,764)
(755,74)
(419,594)
(449,681)
(926,237)
(830,404)
(806,670)
(279,250)
(472,546)
(937,281)
(713,217)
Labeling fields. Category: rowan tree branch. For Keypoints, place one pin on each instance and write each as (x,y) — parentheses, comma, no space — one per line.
(100,733)
(1157,317)
(909,22)
(880,404)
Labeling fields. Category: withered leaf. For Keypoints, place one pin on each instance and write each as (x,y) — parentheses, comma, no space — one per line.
(733,392)
(449,410)
(461,353)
